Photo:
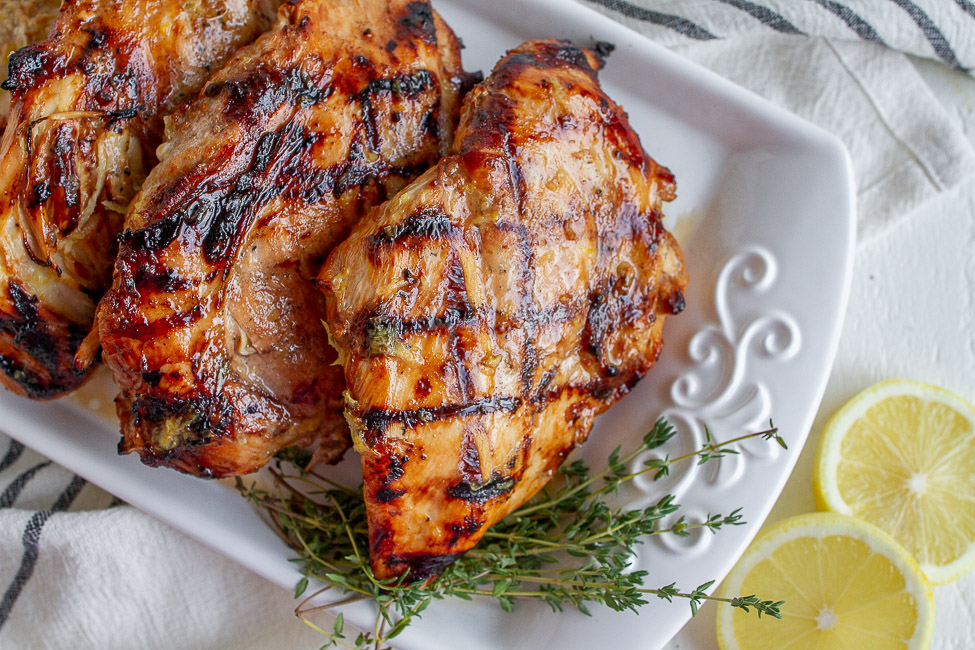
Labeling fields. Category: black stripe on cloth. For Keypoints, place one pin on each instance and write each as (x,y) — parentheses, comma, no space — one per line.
(768,17)
(931,32)
(67,497)
(16,486)
(670,21)
(967,6)
(31,539)
(853,20)
(13,453)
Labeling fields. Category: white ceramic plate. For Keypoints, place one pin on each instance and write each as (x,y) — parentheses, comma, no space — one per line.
(765,212)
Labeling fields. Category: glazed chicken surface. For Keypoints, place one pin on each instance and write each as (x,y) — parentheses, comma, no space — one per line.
(86,117)
(24,22)
(213,327)
(487,313)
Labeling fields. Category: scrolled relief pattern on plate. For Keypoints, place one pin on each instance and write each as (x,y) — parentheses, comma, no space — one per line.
(695,540)
(723,392)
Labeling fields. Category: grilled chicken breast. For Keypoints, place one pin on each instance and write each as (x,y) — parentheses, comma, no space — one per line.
(24,22)
(87,114)
(487,313)
(213,327)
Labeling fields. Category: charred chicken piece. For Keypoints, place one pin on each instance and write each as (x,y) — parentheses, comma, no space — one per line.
(486,314)
(87,114)
(24,22)
(213,327)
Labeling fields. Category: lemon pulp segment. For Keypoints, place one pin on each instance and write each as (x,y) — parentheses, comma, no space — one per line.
(845,584)
(901,456)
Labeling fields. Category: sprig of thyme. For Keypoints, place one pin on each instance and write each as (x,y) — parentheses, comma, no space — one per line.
(568,546)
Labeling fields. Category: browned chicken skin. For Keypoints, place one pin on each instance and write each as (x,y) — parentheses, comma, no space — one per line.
(491,310)
(213,327)
(87,114)
(23,22)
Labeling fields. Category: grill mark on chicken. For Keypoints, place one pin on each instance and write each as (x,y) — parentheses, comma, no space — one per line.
(498,486)
(199,416)
(280,167)
(417,23)
(421,565)
(34,385)
(394,471)
(406,85)
(399,327)
(544,284)
(385,495)
(25,307)
(155,237)
(427,224)
(227,217)
(87,115)
(62,176)
(514,170)
(265,172)
(29,66)
(527,316)
(27,331)
(379,420)
(467,527)
(434,224)
(249,98)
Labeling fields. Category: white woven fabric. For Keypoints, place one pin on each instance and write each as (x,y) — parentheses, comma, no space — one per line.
(827,62)
(935,29)
(80,569)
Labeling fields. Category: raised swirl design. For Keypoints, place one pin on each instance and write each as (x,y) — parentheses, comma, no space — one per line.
(698,539)
(722,389)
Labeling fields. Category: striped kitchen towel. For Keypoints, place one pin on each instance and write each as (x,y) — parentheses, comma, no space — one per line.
(843,66)
(80,570)
(935,29)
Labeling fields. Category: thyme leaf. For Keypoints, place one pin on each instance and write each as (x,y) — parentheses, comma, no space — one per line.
(569,546)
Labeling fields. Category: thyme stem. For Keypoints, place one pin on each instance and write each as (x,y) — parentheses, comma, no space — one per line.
(567,546)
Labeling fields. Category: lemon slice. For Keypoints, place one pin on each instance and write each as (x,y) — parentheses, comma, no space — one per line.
(901,455)
(846,584)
